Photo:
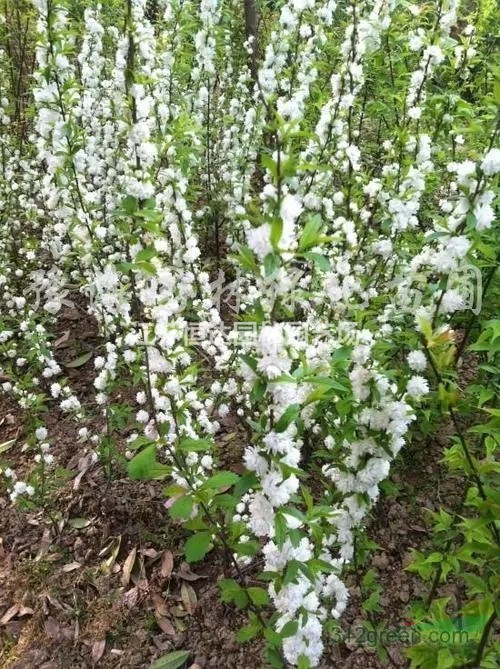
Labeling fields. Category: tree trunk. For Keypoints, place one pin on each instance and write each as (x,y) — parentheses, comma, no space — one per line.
(251,26)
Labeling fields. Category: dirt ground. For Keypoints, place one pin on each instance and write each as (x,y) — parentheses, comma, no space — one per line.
(101,582)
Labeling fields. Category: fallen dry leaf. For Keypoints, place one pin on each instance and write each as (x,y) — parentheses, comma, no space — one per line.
(98,648)
(62,339)
(52,628)
(149,552)
(45,543)
(165,625)
(167,564)
(131,597)
(128,566)
(189,598)
(187,575)
(159,604)
(25,611)
(71,566)
(9,614)
(179,611)
(113,548)
(7,445)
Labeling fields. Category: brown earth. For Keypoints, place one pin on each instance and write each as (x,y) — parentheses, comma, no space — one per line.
(99,581)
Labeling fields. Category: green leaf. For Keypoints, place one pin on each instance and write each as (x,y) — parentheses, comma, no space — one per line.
(280,529)
(372,603)
(246,259)
(232,592)
(197,546)
(258,596)
(129,204)
(342,354)
(270,165)
(319,260)
(182,508)
(80,361)
(139,442)
(276,231)
(310,234)
(144,466)
(189,444)
(172,660)
(248,632)
(271,263)
(258,391)
(290,415)
(369,578)
(145,255)
(303,663)
(146,267)
(289,629)
(249,548)
(274,658)
(221,480)
(251,362)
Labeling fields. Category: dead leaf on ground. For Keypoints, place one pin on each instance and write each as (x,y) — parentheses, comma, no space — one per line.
(149,552)
(45,544)
(79,523)
(7,445)
(112,549)
(62,339)
(98,648)
(52,628)
(159,604)
(187,575)
(179,611)
(167,564)
(9,614)
(131,597)
(128,566)
(189,598)
(9,418)
(25,611)
(72,566)
(165,625)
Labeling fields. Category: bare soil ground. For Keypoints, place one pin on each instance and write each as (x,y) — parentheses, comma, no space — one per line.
(100,581)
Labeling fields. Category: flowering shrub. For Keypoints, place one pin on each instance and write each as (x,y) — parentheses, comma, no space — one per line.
(349,185)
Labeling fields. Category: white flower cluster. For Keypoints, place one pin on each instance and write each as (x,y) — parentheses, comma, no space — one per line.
(348,202)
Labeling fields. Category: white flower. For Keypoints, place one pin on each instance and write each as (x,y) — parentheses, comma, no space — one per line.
(354,155)
(41,433)
(417,387)
(417,361)
(452,301)
(261,516)
(485,216)
(458,246)
(259,240)
(491,162)
(338,197)
(20,487)
(414,113)
(271,340)
(415,42)
(142,416)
